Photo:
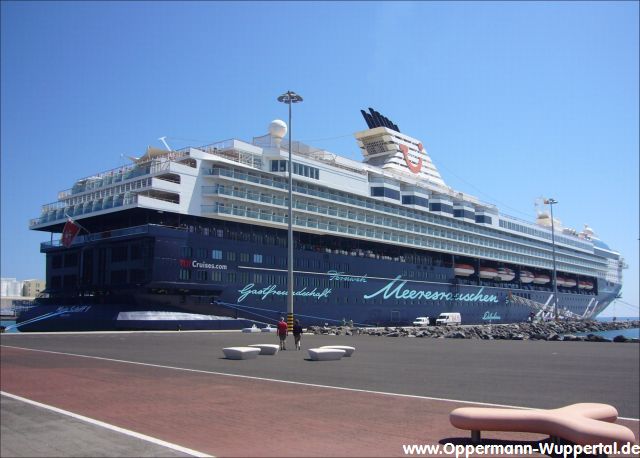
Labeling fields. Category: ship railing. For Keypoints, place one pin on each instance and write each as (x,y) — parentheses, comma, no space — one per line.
(232,150)
(346,214)
(135,230)
(377,233)
(572,240)
(364,203)
(62,211)
(124,172)
(216,171)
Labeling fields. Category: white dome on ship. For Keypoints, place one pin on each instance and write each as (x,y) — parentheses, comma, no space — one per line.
(278,129)
(587,230)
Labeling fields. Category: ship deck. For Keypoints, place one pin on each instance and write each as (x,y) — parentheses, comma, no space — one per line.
(180,397)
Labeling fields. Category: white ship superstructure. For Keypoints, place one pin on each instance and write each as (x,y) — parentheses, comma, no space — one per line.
(395,196)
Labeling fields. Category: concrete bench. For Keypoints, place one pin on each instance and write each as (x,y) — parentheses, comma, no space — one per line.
(241,352)
(348,350)
(582,424)
(267,349)
(325,354)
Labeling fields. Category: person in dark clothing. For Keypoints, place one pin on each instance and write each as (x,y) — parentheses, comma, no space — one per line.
(282,333)
(297,333)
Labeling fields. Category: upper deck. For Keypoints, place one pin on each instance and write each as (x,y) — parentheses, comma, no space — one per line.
(386,198)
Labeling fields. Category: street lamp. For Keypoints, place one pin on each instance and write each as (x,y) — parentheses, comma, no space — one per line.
(551,202)
(289,98)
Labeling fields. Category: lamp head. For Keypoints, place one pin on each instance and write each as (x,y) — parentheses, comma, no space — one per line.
(290,97)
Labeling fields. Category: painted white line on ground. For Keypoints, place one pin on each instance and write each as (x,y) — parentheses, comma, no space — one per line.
(102,424)
(315,385)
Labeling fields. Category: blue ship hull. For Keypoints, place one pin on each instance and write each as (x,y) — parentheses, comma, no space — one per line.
(195,273)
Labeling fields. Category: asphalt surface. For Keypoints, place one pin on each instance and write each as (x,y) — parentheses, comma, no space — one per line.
(26,430)
(534,374)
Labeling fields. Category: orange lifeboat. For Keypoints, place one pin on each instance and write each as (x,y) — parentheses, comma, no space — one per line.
(488,273)
(541,279)
(526,276)
(464,270)
(585,285)
(505,274)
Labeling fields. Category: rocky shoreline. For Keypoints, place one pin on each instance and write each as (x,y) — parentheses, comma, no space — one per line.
(555,331)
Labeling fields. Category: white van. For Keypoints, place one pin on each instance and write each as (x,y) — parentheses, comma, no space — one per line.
(421,321)
(448,319)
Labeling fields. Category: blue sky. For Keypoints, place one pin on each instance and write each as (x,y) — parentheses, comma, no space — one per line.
(513,101)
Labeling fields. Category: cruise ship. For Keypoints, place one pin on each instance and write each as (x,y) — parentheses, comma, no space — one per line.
(196,238)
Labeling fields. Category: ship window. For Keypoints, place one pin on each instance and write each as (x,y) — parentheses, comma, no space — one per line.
(56,261)
(119,253)
(385,192)
(136,251)
(283,166)
(71,260)
(415,200)
(257,258)
(483,219)
(274,166)
(231,277)
(459,213)
(244,257)
(56,281)
(244,277)
(69,281)
(231,255)
(216,275)
(186,251)
(216,254)
(257,278)
(201,275)
(438,207)
(184,274)
(137,275)
(117,277)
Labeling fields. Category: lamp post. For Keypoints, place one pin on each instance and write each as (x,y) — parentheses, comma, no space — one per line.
(551,202)
(290,98)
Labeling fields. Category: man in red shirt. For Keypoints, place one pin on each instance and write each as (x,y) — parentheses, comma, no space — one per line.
(282,333)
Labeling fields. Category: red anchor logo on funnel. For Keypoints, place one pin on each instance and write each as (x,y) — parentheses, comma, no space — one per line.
(415,168)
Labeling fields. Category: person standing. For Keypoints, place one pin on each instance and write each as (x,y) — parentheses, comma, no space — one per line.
(282,333)
(297,333)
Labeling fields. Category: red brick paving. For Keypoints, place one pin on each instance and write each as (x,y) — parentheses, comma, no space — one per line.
(231,416)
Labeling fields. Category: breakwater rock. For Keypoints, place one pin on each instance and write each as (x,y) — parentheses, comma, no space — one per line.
(550,330)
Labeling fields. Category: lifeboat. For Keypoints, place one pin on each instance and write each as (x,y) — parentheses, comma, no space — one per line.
(561,281)
(505,274)
(541,279)
(488,273)
(585,285)
(570,283)
(464,270)
(526,276)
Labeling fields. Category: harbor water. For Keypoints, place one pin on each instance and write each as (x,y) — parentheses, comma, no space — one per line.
(7,323)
